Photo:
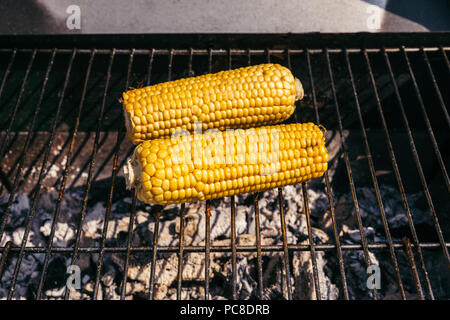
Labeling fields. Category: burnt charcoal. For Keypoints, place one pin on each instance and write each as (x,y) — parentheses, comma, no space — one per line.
(20,207)
(273,294)
(56,275)
(170,213)
(100,190)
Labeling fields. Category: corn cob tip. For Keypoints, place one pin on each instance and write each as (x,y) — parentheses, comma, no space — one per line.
(128,125)
(299,93)
(132,171)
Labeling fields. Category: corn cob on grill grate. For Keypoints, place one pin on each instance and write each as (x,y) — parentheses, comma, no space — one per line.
(239,98)
(201,167)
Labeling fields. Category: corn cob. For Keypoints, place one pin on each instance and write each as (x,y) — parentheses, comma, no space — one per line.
(212,165)
(240,98)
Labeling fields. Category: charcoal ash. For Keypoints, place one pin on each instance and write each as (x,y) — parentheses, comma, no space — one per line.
(19,209)
(27,279)
(304,275)
(374,232)
(166,268)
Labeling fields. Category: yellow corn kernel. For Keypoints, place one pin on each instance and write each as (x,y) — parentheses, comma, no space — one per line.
(277,163)
(227,99)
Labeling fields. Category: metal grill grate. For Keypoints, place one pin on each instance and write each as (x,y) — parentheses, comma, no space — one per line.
(43,88)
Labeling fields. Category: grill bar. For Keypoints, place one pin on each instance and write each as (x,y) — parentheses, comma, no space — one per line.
(12,58)
(66,170)
(289,65)
(129,244)
(76,154)
(154,253)
(208,209)
(26,146)
(327,184)
(13,189)
(285,246)
(191,57)
(416,158)
(19,98)
(4,179)
(259,263)
(133,205)
(111,154)
(180,252)
(282,215)
(63,183)
(4,257)
(233,222)
(410,255)
(183,206)
(427,121)
(444,55)
(158,208)
(258,249)
(311,243)
(41,176)
(108,208)
(286,264)
(310,238)
(234,51)
(113,177)
(150,66)
(374,179)
(436,87)
(23,123)
(91,162)
(169,65)
(397,175)
(207,248)
(349,170)
(233,249)
(61,193)
(221,248)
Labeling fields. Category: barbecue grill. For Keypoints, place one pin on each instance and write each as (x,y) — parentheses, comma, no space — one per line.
(383,202)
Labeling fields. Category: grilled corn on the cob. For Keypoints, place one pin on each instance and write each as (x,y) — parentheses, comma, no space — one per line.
(205,166)
(240,98)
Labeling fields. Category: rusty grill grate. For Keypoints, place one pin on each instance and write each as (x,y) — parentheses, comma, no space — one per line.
(72,93)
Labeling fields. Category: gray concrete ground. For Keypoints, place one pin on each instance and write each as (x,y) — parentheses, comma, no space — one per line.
(220,16)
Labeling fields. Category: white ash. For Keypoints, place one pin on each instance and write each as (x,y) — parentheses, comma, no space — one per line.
(19,209)
(18,235)
(302,264)
(28,273)
(247,283)
(55,293)
(93,223)
(302,280)
(63,233)
(52,171)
